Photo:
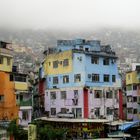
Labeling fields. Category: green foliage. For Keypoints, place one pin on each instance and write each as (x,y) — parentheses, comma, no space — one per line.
(17,131)
(50,133)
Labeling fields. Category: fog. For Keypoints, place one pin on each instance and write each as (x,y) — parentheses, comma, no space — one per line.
(69,14)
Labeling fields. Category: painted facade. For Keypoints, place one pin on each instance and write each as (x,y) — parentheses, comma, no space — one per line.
(8,106)
(23,98)
(82,79)
(133,96)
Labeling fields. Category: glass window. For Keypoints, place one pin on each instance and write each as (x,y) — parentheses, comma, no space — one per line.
(94,60)
(128,87)
(113,78)
(109,94)
(55,80)
(95,78)
(97,112)
(65,79)
(63,110)
(65,62)
(130,110)
(135,111)
(77,78)
(134,87)
(109,111)
(97,93)
(53,95)
(1,98)
(55,64)
(25,115)
(53,111)
(106,78)
(129,98)
(134,99)
(63,95)
(106,61)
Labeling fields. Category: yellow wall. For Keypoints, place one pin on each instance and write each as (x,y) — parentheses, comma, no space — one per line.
(4,66)
(131,78)
(48,64)
(21,86)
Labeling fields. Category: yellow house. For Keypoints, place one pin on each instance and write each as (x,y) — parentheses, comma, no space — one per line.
(6,60)
(132,78)
(58,63)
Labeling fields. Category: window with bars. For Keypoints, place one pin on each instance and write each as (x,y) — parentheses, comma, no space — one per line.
(106,77)
(95,78)
(55,80)
(77,78)
(65,79)
(65,62)
(53,95)
(63,95)
(53,111)
(94,60)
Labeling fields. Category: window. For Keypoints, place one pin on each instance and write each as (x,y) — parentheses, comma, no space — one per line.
(75,93)
(109,94)
(25,115)
(106,61)
(65,62)
(129,98)
(128,87)
(8,61)
(53,95)
(95,78)
(135,111)
(65,79)
(1,98)
(53,111)
(109,111)
(21,97)
(1,60)
(106,78)
(55,64)
(55,80)
(20,78)
(134,99)
(130,110)
(134,87)
(49,63)
(113,78)
(94,60)
(77,78)
(63,95)
(97,93)
(63,110)
(11,77)
(97,112)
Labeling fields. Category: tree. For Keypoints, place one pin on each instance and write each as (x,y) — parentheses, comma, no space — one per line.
(16,132)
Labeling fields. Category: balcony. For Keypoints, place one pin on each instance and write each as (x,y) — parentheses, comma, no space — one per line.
(25,103)
(6,52)
(21,86)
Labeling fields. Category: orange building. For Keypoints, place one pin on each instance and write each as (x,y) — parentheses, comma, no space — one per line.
(8,107)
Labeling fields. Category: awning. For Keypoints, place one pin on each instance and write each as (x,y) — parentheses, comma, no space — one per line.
(128,125)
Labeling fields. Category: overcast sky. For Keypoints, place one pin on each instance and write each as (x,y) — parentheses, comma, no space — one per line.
(67,14)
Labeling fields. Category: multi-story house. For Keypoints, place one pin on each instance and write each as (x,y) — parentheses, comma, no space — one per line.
(23,93)
(8,106)
(81,80)
(133,94)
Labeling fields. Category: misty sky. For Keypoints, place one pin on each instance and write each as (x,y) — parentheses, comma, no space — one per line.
(67,14)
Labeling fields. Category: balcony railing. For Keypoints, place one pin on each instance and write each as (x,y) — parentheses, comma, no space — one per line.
(25,103)
(6,51)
